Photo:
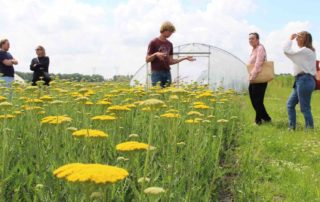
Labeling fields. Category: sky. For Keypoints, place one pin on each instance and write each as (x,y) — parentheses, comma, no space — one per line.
(110,37)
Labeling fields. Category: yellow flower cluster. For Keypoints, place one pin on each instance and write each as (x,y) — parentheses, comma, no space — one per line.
(30,108)
(131,146)
(170,115)
(118,108)
(34,101)
(154,190)
(89,133)
(55,119)
(103,102)
(201,107)
(103,118)
(96,173)
(194,113)
(7,116)
(152,103)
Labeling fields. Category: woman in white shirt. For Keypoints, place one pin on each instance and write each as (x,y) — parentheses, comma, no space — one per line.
(304,59)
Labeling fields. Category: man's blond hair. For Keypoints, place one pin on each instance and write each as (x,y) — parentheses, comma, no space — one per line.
(167,26)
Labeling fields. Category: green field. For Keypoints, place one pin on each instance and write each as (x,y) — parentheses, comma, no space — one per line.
(202,145)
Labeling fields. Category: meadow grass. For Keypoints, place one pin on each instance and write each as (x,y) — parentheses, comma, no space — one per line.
(275,164)
(200,154)
(186,161)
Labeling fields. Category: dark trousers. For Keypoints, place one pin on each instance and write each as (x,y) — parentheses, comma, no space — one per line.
(39,75)
(257,92)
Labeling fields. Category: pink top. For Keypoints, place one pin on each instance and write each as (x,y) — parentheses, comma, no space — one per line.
(258,57)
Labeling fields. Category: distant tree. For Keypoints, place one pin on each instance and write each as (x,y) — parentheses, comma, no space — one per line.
(27,76)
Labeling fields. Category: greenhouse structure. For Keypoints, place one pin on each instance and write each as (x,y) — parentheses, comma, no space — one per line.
(214,67)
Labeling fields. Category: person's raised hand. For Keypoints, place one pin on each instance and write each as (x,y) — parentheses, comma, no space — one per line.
(293,36)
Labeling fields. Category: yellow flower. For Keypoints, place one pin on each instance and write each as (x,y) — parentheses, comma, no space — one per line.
(178,91)
(121,158)
(82,99)
(194,113)
(46,98)
(201,107)
(57,102)
(88,103)
(130,105)
(5,104)
(222,121)
(72,129)
(103,102)
(133,135)
(96,173)
(213,100)
(170,115)
(34,101)
(192,121)
(2,98)
(199,103)
(89,133)
(154,190)
(172,111)
(30,108)
(7,116)
(205,94)
(103,118)
(173,97)
(152,103)
(17,112)
(56,119)
(119,108)
(131,146)
(223,100)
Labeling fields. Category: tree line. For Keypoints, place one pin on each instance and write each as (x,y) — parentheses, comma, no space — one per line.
(27,76)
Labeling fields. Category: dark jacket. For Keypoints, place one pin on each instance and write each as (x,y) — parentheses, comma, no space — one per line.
(40,68)
(41,64)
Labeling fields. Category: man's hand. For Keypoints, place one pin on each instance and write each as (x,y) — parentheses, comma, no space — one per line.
(190,58)
(161,56)
(14,61)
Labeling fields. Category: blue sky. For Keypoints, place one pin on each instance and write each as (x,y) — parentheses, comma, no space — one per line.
(274,14)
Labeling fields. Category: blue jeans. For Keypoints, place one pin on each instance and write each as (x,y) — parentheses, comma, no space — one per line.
(8,83)
(164,77)
(302,91)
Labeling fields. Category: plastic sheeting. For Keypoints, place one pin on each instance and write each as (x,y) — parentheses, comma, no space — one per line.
(214,66)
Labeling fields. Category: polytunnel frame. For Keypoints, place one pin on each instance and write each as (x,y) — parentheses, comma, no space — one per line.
(193,54)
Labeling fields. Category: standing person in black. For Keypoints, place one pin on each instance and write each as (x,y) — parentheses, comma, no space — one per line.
(257,90)
(40,67)
(7,61)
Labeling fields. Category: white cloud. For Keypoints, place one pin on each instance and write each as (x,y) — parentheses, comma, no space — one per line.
(82,38)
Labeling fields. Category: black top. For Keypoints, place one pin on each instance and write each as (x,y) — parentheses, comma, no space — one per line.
(4,69)
(42,64)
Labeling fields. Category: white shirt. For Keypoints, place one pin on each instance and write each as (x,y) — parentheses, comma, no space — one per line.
(304,59)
